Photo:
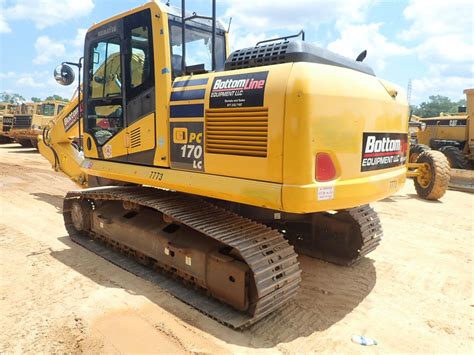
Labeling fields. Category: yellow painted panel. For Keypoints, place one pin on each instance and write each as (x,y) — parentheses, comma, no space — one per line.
(269,167)
(441,132)
(142,134)
(256,193)
(327,110)
(161,48)
(92,152)
(116,146)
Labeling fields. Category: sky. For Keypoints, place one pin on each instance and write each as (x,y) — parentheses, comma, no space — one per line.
(427,42)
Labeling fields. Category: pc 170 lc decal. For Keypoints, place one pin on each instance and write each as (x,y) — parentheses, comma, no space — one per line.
(383,150)
(242,90)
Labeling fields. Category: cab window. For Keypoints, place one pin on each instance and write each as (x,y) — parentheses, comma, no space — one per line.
(48,110)
(60,108)
(198,46)
(105,79)
(104,112)
(140,61)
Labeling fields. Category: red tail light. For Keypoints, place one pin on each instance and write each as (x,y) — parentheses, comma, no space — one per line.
(325,169)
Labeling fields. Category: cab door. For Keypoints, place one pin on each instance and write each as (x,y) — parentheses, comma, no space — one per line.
(104,119)
(139,88)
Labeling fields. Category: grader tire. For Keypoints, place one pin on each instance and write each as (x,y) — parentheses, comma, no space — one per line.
(455,157)
(4,140)
(440,173)
(34,143)
(416,150)
(25,143)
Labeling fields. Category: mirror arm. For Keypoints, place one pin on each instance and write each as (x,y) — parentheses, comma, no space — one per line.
(79,101)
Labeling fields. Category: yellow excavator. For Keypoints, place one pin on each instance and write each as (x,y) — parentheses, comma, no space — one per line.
(217,168)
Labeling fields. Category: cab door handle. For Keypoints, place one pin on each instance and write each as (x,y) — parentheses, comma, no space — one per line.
(126,139)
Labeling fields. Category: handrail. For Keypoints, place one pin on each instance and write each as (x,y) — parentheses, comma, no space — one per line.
(300,33)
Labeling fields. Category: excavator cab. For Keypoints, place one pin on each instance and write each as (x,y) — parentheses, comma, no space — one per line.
(128,64)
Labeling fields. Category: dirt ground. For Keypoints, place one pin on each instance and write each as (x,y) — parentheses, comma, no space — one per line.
(413,294)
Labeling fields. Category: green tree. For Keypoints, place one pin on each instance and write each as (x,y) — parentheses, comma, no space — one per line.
(56,97)
(436,105)
(11,97)
(35,99)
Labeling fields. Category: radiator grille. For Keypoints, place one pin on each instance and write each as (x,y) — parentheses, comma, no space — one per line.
(135,138)
(22,122)
(237,132)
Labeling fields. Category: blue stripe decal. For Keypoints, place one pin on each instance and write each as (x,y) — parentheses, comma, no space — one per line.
(193,82)
(188,95)
(194,110)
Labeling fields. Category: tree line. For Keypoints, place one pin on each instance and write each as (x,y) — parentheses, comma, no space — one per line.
(15,98)
(436,105)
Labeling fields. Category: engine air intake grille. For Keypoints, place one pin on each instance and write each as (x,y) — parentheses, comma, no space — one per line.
(268,54)
(237,132)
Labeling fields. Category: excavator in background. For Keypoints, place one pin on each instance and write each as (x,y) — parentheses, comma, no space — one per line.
(30,120)
(453,135)
(7,112)
(217,168)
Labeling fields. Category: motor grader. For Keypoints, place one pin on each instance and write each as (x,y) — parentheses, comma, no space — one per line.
(7,112)
(31,118)
(453,135)
(217,168)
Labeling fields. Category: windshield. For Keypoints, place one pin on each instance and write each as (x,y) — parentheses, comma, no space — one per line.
(198,46)
(47,109)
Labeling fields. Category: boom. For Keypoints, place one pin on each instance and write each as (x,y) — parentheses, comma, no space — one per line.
(58,143)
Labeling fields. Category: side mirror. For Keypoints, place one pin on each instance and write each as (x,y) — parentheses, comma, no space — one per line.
(64,75)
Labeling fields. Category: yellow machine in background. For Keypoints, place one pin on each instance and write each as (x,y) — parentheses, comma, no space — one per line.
(453,135)
(31,118)
(214,167)
(7,112)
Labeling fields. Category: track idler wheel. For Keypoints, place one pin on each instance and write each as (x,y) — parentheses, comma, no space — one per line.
(81,215)
(433,178)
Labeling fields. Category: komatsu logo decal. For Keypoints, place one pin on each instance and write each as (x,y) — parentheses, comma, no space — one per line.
(241,90)
(383,150)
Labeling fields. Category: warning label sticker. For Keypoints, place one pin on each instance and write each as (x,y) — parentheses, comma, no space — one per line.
(325,193)
(242,90)
(383,150)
